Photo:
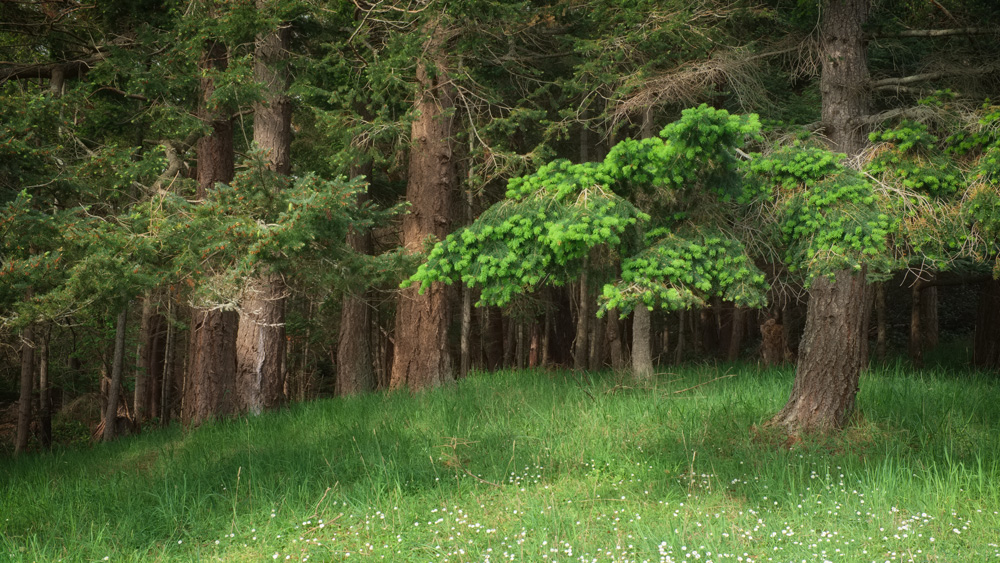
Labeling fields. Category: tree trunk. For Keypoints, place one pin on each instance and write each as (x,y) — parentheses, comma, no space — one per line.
(209,390)
(834,345)
(546,340)
(494,338)
(597,341)
(826,378)
(167,380)
(880,339)
(117,367)
(929,317)
(422,356)
(773,346)
(735,342)
(679,353)
(613,336)
(260,340)
(581,349)
(986,351)
(215,150)
(916,331)
(355,363)
(211,368)
(25,399)
(260,345)
(844,81)
(44,393)
(143,361)
(642,357)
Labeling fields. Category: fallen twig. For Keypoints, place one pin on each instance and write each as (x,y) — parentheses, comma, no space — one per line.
(704,383)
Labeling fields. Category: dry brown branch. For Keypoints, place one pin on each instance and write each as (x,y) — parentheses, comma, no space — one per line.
(703,383)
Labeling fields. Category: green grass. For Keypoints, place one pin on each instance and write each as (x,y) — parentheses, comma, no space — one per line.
(536,466)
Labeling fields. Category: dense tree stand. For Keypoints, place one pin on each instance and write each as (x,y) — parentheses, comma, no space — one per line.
(830,360)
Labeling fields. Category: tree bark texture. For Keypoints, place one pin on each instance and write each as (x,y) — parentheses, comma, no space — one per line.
(916,330)
(422,357)
(642,356)
(167,380)
(210,388)
(826,378)
(44,392)
(844,82)
(834,346)
(772,347)
(613,333)
(25,399)
(986,350)
(260,340)
(117,367)
(931,332)
(272,129)
(211,368)
(140,400)
(581,350)
(735,334)
(215,150)
(355,364)
(880,320)
(260,345)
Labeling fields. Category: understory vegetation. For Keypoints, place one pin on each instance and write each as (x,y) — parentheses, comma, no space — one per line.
(537,466)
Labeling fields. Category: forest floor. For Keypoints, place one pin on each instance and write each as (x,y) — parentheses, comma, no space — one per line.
(536,466)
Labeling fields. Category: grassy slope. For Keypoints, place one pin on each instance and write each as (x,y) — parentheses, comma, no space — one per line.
(535,466)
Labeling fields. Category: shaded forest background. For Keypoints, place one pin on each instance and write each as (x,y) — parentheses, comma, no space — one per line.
(214,207)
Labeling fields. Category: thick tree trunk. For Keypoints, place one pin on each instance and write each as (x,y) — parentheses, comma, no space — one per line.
(210,387)
(44,393)
(140,399)
(167,380)
(494,338)
(916,330)
(844,83)
(735,341)
(355,366)
(834,345)
(597,350)
(581,348)
(117,367)
(986,351)
(422,356)
(642,357)
(211,369)
(260,345)
(826,378)
(25,399)
(929,317)
(355,363)
(773,347)
(880,320)
(260,340)
(215,150)
(679,352)
(613,334)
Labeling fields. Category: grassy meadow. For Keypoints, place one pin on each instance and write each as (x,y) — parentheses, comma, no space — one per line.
(537,466)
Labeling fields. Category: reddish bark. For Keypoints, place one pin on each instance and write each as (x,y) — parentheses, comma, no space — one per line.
(422,356)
